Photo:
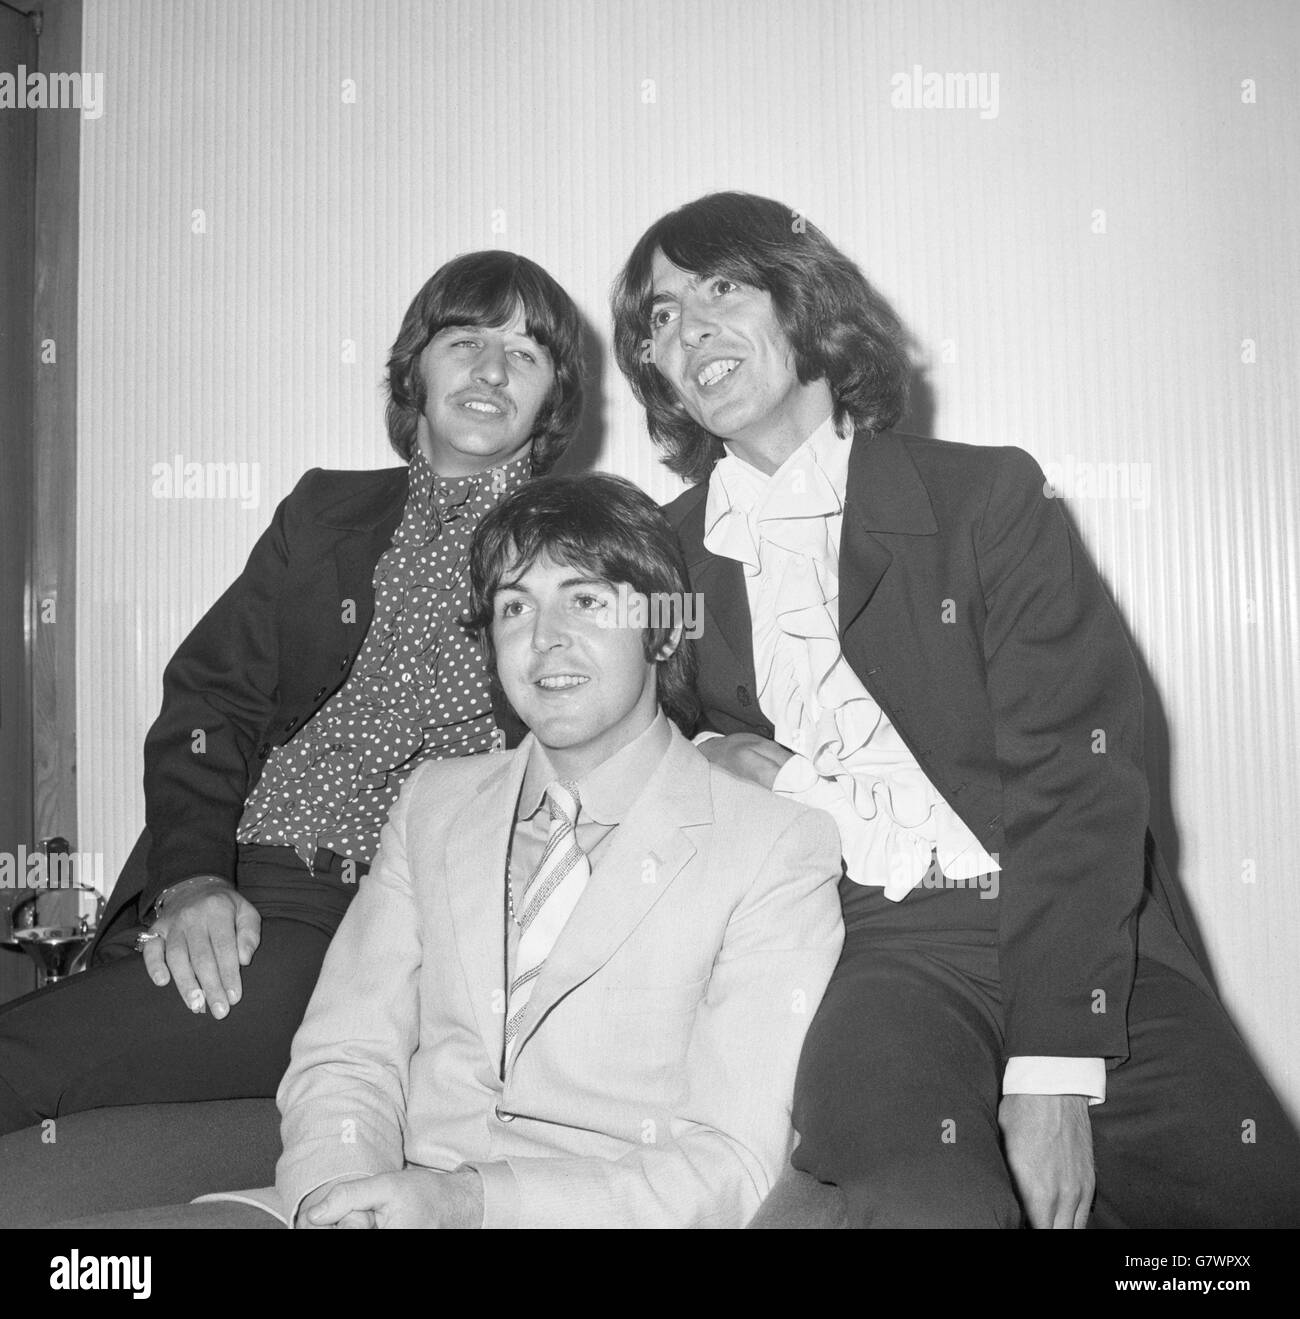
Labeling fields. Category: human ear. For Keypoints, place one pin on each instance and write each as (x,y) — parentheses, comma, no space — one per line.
(669,648)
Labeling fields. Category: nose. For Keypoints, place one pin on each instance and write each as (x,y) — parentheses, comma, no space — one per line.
(697,323)
(550,627)
(490,365)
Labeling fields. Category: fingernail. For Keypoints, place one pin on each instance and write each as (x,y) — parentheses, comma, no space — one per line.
(195,1001)
(232,995)
(160,979)
(219,1010)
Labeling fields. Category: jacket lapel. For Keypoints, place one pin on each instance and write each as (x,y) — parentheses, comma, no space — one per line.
(646,855)
(369,517)
(478,842)
(884,495)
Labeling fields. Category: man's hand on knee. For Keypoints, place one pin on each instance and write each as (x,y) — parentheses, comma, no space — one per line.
(412,1198)
(351,1218)
(208,932)
(1048,1141)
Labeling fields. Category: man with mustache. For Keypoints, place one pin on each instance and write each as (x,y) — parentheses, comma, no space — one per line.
(334,666)
(906,633)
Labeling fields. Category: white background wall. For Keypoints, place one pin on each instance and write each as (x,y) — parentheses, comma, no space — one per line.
(561,128)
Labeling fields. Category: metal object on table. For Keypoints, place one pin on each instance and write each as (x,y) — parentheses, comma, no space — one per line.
(58,950)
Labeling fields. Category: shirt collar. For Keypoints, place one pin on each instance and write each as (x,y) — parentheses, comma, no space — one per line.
(827,446)
(811,483)
(607,792)
(433,498)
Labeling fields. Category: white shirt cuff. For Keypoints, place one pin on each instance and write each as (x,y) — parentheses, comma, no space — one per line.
(1056,1076)
(700,738)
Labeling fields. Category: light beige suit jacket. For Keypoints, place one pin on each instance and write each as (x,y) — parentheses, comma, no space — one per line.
(652,1081)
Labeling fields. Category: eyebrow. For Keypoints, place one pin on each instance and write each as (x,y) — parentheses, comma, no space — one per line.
(586,581)
(517,584)
(480,329)
(663,295)
(693,280)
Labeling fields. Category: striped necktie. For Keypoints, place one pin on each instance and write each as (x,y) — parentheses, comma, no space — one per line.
(548,901)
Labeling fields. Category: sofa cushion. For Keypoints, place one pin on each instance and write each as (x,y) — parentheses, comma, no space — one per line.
(135,1157)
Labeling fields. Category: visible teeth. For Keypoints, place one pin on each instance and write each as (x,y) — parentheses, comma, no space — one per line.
(561,680)
(715,371)
(482,407)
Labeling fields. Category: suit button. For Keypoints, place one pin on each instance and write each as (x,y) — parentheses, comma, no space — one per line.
(344,662)
(263,751)
(742,695)
(504,1117)
(288,728)
(321,693)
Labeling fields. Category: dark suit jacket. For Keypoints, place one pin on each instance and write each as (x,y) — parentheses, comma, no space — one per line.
(257,666)
(972,615)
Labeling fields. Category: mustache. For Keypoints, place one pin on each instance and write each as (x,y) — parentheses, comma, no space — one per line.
(484,395)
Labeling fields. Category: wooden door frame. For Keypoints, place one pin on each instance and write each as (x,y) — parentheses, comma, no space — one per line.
(54,546)
(46,776)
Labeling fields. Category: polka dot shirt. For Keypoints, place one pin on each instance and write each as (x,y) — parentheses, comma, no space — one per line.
(418,690)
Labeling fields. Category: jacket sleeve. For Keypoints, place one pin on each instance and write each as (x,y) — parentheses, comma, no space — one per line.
(344,1095)
(219,691)
(1067,710)
(729,1139)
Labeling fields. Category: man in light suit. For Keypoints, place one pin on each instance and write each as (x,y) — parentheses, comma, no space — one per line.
(633,1064)
(907,633)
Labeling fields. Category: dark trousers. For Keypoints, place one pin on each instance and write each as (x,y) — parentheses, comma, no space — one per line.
(897,1094)
(111,1036)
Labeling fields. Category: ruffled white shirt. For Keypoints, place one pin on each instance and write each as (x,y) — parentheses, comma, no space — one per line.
(849,760)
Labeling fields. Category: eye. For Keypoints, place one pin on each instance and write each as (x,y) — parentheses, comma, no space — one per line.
(464,343)
(510,608)
(660,317)
(526,355)
(722,285)
(589,601)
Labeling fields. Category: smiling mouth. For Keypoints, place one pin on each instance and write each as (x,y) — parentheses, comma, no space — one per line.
(483,407)
(716,371)
(562,681)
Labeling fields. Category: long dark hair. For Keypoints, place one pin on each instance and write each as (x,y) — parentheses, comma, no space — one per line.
(839,327)
(603,525)
(487,288)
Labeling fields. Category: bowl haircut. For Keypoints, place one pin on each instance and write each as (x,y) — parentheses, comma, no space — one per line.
(606,527)
(840,328)
(487,289)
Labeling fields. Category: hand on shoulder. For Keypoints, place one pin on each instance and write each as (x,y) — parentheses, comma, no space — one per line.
(747,756)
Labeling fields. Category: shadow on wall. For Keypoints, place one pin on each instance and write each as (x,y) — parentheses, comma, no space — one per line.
(918,416)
